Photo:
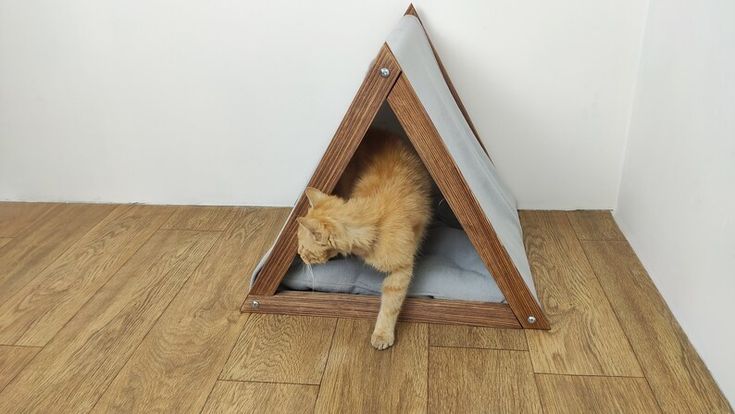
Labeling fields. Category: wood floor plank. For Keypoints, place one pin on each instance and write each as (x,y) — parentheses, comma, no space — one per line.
(72,371)
(16,217)
(179,361)
(12,360)
(281,348)
(679,379)
(594,225)
(582,395)
(3,242)
(253,397)
(38,246)
(37,311)
(585,336)
(360,379)
(468,380)
(476,337)
(201,218)
(161,321)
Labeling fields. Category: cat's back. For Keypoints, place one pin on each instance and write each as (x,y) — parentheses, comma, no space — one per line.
(388,164)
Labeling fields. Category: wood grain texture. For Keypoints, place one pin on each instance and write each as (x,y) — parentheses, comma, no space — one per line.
(466,380)
(154,353)
(361,379)
(582,395)
(281,348)
(594,225)
(679,379)
(16,217)
(12,360)
(39,245)
(585,336)
(180,359)
(440,164)
(37,311)
(254,397)
(3,242)
(357,120)
(367,306)
(201,218)
(72,371)
(412,11)
(477,337)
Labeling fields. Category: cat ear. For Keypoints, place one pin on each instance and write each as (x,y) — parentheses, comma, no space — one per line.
(311,225)
(303,222)
(315,196)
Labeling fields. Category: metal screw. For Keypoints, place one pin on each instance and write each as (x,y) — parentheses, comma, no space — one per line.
(255,304)
(531,319)
(384,72)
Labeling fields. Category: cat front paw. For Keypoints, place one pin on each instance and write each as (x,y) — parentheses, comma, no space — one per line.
(382,340)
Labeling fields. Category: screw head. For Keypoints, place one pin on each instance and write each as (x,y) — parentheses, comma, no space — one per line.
(531,319)
(384,72)
(255,304)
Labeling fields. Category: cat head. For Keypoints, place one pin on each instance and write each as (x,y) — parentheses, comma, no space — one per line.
(318,230)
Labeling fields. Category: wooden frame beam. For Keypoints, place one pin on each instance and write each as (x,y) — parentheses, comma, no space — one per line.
(357,120)
(498,315)
(435,155)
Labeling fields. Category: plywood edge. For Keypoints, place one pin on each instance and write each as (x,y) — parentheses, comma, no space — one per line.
(425,138)
(496,315)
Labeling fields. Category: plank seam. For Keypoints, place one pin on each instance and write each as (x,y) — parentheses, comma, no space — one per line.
(589,375)
(617,318)
(326,364)
(428,361)
(62,253)
(22,369)
(479,347)
(21,346)
(538,389)
(264,241)
(189,229)
(104,284)
(268,382)
(31,226)
(41,271)
(230,227)
(153,325)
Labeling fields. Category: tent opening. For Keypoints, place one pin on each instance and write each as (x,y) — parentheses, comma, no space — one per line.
(447,265)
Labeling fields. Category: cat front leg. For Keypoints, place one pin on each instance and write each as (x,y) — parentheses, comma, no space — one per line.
(395,287)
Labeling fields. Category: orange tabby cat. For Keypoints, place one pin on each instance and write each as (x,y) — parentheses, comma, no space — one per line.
(383,221)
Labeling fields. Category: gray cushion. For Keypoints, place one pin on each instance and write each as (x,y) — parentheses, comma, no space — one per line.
(447,268)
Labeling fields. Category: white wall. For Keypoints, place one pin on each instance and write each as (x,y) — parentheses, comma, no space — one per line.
(233,102)
(677,196)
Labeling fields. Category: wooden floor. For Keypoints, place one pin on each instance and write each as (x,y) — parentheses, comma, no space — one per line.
(132,308)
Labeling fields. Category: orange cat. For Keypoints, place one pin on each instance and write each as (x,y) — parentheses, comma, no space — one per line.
(383,221)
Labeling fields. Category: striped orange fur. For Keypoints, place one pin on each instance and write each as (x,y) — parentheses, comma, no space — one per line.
(380,215)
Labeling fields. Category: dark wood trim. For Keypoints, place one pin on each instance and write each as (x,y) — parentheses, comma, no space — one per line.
(412,11)
(428,143)
(496,315)
(357,120)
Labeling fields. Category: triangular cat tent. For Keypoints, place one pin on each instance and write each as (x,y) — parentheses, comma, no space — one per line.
(409,75)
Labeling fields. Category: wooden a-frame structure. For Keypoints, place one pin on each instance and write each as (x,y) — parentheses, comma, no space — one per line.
(386,81)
